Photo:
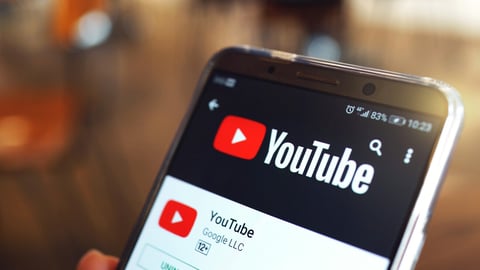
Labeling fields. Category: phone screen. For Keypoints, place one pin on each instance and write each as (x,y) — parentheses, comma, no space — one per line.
(274,176)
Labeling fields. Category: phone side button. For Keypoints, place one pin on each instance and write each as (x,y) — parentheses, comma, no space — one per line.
(155,259)
(418,243)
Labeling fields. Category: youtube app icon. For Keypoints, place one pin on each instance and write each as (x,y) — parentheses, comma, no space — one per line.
(177,218)
(239,137)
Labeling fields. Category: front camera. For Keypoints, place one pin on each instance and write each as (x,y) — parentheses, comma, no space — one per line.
(271,69)
(369,89)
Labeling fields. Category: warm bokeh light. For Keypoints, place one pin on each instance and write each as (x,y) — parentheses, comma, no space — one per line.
(453,17)
(69,18)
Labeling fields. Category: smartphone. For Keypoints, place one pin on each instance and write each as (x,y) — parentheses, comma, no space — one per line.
(289,162)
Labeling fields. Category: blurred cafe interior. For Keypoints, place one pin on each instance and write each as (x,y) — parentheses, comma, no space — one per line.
(92,92)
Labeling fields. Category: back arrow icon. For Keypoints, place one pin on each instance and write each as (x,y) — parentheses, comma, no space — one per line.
(213,104)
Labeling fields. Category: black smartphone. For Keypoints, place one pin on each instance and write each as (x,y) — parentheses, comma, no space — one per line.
(289,162)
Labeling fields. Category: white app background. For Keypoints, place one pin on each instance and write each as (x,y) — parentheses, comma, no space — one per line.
(276,244)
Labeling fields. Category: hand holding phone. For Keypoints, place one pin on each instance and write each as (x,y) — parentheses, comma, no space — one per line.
(285,161)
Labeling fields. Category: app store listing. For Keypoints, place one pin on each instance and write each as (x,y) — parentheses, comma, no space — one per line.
(234,237)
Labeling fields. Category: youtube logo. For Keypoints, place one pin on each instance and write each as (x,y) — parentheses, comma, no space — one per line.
(239,137)
(177,218)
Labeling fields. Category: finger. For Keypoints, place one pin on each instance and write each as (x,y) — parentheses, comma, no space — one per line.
(95,260)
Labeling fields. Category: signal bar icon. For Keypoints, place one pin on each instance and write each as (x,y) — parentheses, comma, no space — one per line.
(365,114)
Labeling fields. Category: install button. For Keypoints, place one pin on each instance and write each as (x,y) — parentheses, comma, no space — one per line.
(156,259)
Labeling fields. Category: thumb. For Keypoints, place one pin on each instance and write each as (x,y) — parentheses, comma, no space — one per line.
(95,260)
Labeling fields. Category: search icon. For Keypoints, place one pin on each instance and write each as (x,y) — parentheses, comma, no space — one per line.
(376,146)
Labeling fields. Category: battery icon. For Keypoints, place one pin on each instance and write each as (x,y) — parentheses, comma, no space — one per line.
(397,120)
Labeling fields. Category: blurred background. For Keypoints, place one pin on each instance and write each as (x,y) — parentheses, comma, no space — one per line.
(92,91)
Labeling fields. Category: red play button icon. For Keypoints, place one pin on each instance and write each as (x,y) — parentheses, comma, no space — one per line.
(177,218)
(239,137)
